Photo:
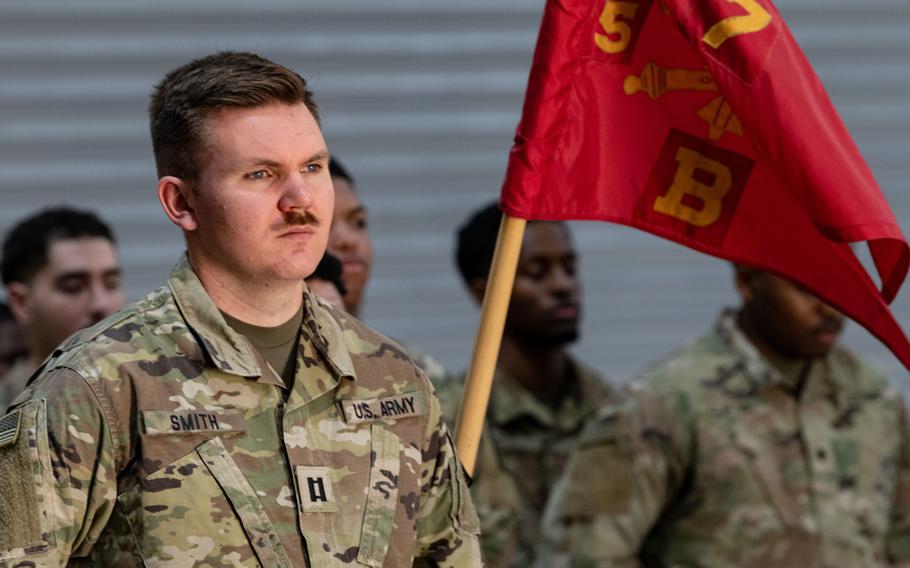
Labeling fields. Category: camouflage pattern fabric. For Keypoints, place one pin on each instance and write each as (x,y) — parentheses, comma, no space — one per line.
(716,457)
(159,437)
(13,382)
(431,367)
(522,453)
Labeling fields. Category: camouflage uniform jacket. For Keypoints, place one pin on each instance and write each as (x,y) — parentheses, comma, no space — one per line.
(160,437)
(716,459)
(524,448)
(431,367)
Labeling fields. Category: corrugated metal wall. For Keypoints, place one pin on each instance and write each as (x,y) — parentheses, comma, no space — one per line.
(420,99)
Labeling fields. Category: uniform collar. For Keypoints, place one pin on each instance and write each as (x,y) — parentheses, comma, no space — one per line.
(510,400)
(327,335)
(767,372)
(231,352)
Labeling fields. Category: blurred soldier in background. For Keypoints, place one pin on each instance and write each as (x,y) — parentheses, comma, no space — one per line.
(349,238)
(541,395)
(12,348)
(351,243)
(62,274)
(229,418)
(326,281)
(761,444)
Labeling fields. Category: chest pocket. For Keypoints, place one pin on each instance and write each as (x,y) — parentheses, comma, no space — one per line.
(201,509)
(740,480)
(875,469)
(349,505)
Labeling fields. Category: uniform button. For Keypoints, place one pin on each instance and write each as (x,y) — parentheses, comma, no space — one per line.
(821,454)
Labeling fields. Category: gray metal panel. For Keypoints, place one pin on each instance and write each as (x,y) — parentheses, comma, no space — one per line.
(421,100)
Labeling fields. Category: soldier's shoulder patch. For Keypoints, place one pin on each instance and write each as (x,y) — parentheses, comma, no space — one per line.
(9,429)
(24,481)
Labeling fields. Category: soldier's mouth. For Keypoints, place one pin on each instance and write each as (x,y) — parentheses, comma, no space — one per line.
(353,265)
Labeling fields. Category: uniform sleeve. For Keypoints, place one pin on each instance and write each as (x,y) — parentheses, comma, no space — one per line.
(899,533)
(447,525)
(498,506)
(628,465)
(492,489)
(57,474)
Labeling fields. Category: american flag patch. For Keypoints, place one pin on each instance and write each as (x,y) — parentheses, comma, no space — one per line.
(9,429)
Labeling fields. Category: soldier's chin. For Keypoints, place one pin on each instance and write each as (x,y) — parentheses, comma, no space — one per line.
(560,338)
(816,349)
(823,341)
(294,267)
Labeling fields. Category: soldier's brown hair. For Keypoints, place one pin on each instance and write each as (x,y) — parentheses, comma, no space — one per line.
(183,100)
(27,245)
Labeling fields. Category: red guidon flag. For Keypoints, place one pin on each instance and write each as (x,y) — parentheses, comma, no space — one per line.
(703,123)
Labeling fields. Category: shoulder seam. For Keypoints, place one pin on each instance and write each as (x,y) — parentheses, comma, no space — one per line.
(136,309)
(107,412)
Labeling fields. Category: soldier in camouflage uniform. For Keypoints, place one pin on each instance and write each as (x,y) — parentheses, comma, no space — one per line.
(541,396)
(350,242)
(761,444)
(163,436)
(61,272)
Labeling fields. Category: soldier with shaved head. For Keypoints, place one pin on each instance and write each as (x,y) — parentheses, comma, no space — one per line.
(541,394)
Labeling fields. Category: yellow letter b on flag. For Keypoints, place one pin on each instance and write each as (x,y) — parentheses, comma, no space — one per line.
(710,195)
(693,190)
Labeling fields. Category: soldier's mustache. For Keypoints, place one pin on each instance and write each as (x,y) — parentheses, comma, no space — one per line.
(293,218)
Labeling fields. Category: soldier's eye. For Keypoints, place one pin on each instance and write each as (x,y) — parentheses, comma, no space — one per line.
(360,222)
(71,285)
(535,270)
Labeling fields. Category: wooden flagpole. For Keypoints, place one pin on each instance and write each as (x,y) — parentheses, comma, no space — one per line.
(489,337)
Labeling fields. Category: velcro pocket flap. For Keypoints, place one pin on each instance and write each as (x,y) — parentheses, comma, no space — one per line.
(256,523)
(382,497)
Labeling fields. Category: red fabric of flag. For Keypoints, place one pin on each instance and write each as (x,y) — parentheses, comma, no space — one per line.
(704,123)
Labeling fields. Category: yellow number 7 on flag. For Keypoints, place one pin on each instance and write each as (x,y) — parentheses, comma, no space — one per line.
(755,20)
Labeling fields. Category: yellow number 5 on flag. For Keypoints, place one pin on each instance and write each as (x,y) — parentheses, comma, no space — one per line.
(609,20)
(756,19)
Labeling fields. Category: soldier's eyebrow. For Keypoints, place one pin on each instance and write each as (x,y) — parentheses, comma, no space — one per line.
(72,274)
(72,278)
(321,155)
(256,162)
(84,274)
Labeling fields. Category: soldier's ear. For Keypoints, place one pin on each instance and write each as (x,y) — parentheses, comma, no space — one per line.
(477,289)
(745,279)
(17,294)
(176,197)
